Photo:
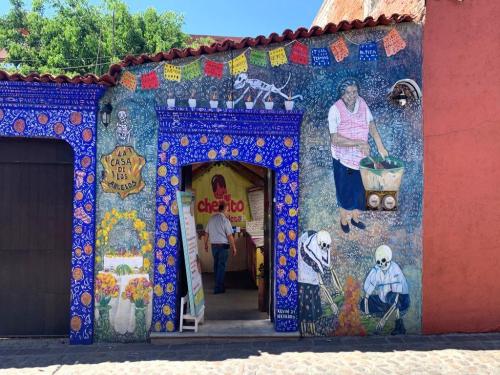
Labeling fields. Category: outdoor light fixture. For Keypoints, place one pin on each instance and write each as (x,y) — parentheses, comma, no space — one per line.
(106,114)
(401,98)
(404,91)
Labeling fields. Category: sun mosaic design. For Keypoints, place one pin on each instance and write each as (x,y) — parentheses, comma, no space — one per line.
(66,112)
(266,138)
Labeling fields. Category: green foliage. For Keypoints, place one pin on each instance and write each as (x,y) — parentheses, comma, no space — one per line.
(73,37)
(124,269)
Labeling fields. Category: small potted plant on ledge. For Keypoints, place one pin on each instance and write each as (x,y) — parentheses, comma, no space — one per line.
(214,102)
(170,99)
(230,101)
(269,104)
(192,99)
(289,102)
(248,102)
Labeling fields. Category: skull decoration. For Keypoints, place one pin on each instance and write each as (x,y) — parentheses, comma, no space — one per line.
(383,257)
(324,242)
(240,81)
(123,130)
(122,116)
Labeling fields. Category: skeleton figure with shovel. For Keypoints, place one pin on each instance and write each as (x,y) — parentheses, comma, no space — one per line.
(386,291)
(314,263)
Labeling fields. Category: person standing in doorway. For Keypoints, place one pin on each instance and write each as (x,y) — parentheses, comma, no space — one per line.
(350,121)
(220,232)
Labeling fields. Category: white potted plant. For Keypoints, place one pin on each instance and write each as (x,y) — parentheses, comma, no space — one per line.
(248,102)
(230,101)
(269,104)
(214,103)
(289,103)
(170,100)
(192,99)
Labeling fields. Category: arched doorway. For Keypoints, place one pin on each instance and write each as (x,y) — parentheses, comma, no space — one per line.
(266,138)
(66,112)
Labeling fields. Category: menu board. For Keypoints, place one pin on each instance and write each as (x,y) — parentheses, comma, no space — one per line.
(256,202)
(186,201)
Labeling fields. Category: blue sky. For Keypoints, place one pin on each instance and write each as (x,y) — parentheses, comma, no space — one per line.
(229,18)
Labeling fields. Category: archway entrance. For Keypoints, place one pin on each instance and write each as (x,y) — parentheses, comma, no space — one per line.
(266,138)
(247,191)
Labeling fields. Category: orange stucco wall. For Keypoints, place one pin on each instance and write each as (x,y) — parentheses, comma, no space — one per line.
(461,268)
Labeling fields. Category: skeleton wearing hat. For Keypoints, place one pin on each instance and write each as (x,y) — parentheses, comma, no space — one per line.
(386,291)
(314,262)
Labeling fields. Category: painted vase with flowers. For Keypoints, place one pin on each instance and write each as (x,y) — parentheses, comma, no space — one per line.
(106,287)
(138,291)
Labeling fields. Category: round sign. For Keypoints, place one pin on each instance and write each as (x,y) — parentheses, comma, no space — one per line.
(389,202)
(373,201)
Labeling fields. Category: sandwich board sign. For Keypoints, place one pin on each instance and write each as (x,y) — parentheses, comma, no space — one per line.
(186,200)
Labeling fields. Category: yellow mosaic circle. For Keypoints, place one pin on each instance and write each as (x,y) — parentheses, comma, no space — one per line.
(174,209)
(165,146)
(281,237)
(76,323)
(288,199)
(212,154)
(167,310)
(170,260)
(260,142)
(162,171)
(172,240)
(161,269)
(158,326)
(293,252)
(184,141)
(282,260)
(292,212)
(164,227)
(292,275)
(203,139)
(278,160)
(258,158)
(170,326)
(228,140)
(158,290)
(284,179)
(292,235)
(162,209)
(288,142)
(283,290)
(78,252)
(235,152)
(281,221)
(170,288)
(86,298)
(173,160)
(77,274)
(162,191)
(174,180)
(295,166)
(161,243)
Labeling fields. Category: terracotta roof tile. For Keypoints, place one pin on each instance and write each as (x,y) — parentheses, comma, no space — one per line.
(110,78)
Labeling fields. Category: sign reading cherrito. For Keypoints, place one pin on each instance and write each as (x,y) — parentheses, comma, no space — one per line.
(122,171)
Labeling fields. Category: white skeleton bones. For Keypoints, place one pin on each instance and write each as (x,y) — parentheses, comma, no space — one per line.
(123,131)
(242,80)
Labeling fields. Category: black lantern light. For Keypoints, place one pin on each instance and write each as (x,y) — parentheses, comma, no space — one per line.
(106,114)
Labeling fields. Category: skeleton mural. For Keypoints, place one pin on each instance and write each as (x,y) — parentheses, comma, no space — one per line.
(314,262)
(262,87)
(123,128)
(386,291)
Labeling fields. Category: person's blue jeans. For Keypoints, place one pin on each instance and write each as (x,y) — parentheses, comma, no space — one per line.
(220,254)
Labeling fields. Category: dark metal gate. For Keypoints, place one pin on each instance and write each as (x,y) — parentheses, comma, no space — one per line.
(36,179)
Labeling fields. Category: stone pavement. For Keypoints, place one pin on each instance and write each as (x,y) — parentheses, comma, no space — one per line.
(444,354)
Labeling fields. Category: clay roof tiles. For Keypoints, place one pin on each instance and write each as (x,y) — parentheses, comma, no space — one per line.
(110,78)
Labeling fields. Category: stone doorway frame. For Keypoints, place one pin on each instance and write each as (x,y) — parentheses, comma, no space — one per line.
(266,138)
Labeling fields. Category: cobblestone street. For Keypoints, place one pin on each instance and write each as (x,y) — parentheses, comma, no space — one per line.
(445,354)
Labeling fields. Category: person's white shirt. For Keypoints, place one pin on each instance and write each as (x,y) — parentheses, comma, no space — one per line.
(383,282)
(334,120)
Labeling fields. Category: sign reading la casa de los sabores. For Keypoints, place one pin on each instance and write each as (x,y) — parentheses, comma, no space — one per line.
(122,171)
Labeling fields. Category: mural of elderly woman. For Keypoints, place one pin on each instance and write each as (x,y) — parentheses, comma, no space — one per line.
(350,121)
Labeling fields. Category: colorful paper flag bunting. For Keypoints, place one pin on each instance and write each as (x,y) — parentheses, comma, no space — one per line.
(214,69)
(238,64)
(339,49)
(393,43)
(150,81)
(368,51)
(278,56)
(191,71)
(172,72)
(299,54)
(129,81)
(320,57)
(258,58)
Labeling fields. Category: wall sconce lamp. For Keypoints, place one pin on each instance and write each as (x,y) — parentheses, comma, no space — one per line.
(404,91)
(401,98)
(106,114)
